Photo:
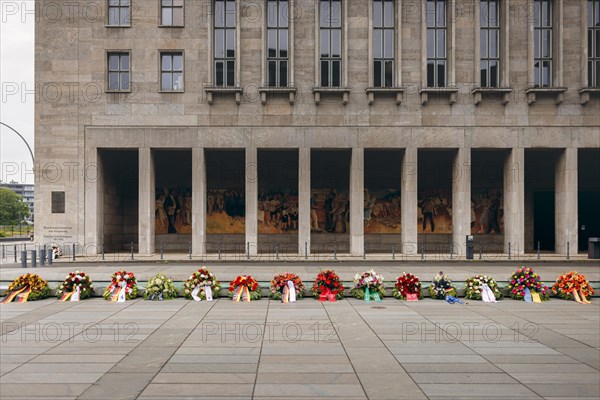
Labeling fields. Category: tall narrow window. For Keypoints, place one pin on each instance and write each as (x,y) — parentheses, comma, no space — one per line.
(224,26)
(490,43)
(119,12)
(118,71)
(171,12)
(437,59)
(330,14)
(594,43)
(277,42)
(383,43)
(542,43)
(171,72)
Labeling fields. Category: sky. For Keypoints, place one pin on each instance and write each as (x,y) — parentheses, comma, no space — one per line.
(16,91)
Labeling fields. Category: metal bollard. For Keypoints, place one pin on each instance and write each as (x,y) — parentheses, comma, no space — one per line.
(190,250)
(538,250)
(3,253)
(568,250)
(73,252)
(393,251)
(49,255)
(335,250)
(364,251)
(23,259)
(42,257)
(248,251)
(162,250)
(102,250)
(422,251)
(277,250)
(15,252)
(33,258)
(306,250)
(509,250)
(132,250)
(480,249)
(219,250)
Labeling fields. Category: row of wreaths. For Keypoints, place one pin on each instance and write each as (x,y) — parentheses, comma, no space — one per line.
(289,287)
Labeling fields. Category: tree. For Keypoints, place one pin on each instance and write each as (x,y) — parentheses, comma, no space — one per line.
(11,205)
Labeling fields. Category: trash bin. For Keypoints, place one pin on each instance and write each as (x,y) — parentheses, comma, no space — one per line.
(594,248)
(470,247)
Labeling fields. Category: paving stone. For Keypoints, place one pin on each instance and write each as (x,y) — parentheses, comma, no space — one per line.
(188,377)
(307,378)
(304,390)
(456,376)
(390,386)
(121,385)
(479,391)
(198,389)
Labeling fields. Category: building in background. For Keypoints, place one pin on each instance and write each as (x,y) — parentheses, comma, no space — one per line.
(24,190)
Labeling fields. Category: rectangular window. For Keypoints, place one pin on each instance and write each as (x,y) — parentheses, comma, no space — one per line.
(119,12)
(171,72)
(490,43)
(593,42)
(437,59)
(330,24)
(171,12)
(118,72)
(58,202)
(224,34)
(542,43)
(277,42)
(383,43)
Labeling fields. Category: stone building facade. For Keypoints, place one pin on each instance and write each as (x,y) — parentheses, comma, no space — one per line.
(152,92)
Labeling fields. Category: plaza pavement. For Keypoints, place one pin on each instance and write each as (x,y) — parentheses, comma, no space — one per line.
(347,350)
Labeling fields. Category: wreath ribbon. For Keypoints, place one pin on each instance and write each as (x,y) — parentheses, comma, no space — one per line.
(241,294)
(11,296)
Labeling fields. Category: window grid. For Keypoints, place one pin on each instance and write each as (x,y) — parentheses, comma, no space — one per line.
(277,43)
(437,59)
(542,43)
(490,43)
(171,13)
(593,43)
(171,72)
(119,12)
(331,42)
(383,43)
(118,71)
(224,45)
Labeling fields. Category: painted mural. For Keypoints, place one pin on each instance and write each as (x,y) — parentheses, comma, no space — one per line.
(277,212)
(487,211)
(329,211)
(434,212)
(225,211)
(173,210)
(382,211)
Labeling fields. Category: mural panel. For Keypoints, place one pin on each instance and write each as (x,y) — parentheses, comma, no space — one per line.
(382,211)
(225,211)
(277,212)
(173,210)
(329,211)
(434,213)
(487,211)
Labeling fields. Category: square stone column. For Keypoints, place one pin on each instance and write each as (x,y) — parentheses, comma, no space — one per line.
(514,201)
(198,202)
(251,200)
(566,214)
(408,197)
(461,200)
(146,201)
(304,202)
(94,199)
(357,199)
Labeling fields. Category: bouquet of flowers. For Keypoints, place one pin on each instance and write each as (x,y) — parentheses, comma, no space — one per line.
(328,286)
(525,278)
(201,278)
(160,287)
(280,282)
(28,287)
(244,288)
(572,285)
(75,282)
(368,284)
(407,284)
(121,280)
(441,286)
(473,287)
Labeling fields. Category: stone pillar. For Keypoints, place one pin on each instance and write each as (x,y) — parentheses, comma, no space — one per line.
(566,220)
(461,199)
(251,201)
(357,206)
(304,201)
(198,202)
(94,199)
(514,201)
(146,201)
(409,202)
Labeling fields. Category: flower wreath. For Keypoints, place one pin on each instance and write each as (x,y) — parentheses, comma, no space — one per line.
(280,282)
(406,284)
(473,287)
(525,278)
(73,281)
(328,283)
(28,287)
(244,288)
(371,281)
(201,278)
(160,287)
(119,278)
(572,281)
(441,286)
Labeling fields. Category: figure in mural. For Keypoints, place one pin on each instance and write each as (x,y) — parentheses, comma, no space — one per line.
(225,209)
(172,208)
(314,220)
(187,214)
(210,202)
(159,213)
(329,213)
(493,213)
(368,208)
(428,209)
(487,209)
